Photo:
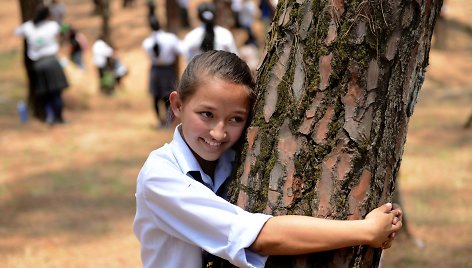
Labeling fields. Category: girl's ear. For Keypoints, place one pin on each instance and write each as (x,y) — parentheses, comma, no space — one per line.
(175,103)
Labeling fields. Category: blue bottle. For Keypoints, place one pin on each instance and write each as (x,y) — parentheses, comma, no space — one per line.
(22,112)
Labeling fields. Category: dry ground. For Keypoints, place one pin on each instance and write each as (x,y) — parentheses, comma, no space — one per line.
(67,193)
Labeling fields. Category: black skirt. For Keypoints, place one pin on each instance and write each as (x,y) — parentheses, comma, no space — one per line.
(162,80)
(49,76)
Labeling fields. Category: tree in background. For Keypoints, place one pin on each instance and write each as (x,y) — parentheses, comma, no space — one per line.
(173,16)
(335,91)
(105,13)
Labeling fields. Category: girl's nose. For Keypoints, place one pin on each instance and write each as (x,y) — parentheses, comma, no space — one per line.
(218,132)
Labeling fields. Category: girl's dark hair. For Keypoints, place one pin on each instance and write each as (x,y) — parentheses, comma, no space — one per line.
(72,32)
(215,63)
(154,23)
(155,26)
(206,13)
(41,14)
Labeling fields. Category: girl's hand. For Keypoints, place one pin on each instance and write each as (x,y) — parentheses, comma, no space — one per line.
(384,222)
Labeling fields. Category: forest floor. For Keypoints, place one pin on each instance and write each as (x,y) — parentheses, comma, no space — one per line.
(67,192)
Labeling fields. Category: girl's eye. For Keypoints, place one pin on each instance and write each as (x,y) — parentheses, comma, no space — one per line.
(206,114)
(237,119)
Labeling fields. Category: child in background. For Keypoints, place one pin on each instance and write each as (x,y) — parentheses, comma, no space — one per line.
(78,44)
(163,49)
(102,59)
(47,73)
(246,17)
(207,36)
(181,218)
(109,67)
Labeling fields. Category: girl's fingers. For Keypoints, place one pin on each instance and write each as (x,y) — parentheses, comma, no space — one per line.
(395,220)
(398,210)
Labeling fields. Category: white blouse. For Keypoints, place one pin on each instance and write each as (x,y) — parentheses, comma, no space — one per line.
(101,51)
(177,217)
(224,40)
(169,46)
(41,38)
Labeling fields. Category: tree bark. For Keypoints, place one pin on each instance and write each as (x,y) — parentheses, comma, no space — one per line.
(173,16)
(28,7)
(335,91)
(105,13)
(35,104)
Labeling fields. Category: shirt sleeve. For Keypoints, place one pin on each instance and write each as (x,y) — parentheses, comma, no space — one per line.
(190,45)
(187,210)
(178,49)
(55,28)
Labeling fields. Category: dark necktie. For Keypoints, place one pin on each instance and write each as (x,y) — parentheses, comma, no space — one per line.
(209,260)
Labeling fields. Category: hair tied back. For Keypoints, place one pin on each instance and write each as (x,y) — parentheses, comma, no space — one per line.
(208,15)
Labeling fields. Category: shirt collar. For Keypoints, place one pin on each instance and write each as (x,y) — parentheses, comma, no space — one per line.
(183,154)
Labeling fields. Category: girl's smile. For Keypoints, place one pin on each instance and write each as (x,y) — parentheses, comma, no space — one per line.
(213,118)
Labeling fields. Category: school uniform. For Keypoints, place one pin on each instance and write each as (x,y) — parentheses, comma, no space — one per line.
(49,77)
(104,62)
(224,40)
(163,72)
(101,52)
(42,49)
(178,217)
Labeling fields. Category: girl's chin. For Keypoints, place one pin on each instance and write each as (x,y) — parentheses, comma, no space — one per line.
(210,157)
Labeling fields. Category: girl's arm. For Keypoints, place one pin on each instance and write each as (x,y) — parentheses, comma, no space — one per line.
(295,235)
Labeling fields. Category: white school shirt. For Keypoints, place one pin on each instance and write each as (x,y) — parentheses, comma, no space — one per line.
(176,216)
(223,41)
(101,51)
(41,38)
(169,47)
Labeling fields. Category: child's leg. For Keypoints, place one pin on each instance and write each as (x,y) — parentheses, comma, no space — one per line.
(57,106)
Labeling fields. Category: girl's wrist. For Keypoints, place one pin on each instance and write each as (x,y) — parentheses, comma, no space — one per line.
(366,233)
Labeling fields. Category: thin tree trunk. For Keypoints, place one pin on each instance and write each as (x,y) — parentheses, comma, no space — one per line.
(173,16)
(105,13)
(335,91)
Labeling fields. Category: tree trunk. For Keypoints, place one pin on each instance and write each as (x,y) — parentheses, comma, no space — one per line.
(337,85)
(28,7)
(105,12)
(35,104)
(173,16)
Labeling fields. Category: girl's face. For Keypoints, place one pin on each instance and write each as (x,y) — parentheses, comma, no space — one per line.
(213,118)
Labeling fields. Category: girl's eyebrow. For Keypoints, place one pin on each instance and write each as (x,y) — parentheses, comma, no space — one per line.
(242,111)
(205,106)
